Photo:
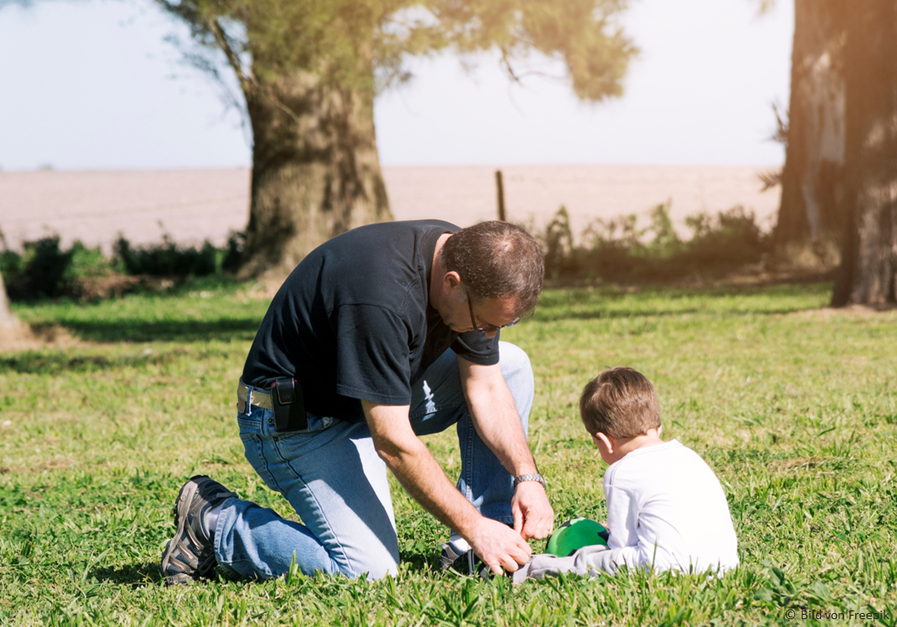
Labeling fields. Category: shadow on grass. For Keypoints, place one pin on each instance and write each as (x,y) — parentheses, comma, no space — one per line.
(234,329)
(610,302)
(131,575)
(58,363)
(598,314)
(420,561)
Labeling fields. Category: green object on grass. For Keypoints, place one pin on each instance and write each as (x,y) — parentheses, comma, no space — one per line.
(575,534)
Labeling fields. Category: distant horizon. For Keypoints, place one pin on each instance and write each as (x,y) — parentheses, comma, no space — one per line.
(410,165)
(95,205)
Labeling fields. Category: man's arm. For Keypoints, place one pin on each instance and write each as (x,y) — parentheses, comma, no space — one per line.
(413,465)
(498,425)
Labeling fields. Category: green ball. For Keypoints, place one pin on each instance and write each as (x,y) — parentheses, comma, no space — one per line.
(575,534)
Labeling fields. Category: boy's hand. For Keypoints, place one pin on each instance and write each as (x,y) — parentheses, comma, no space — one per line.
(533,516)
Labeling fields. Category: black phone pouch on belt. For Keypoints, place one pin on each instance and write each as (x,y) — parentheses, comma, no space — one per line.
(289,407)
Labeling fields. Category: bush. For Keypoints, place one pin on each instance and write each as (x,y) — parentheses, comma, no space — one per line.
(233,256)
(167,260)
(618,250)
(41,271)
(44,270)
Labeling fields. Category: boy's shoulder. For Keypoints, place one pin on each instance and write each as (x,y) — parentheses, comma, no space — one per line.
(656,460)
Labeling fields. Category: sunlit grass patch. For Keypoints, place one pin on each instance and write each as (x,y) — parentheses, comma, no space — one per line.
(793,405)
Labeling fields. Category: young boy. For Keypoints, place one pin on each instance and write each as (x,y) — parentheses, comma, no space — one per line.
(665,507)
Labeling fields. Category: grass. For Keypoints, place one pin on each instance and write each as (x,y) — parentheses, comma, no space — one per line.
(793,405)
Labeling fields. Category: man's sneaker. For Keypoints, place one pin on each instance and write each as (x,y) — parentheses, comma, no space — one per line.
(462,562)
(190,555)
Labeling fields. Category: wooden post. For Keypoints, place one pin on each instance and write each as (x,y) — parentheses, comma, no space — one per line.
(500,190)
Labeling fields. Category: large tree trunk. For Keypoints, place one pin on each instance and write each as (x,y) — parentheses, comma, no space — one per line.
(315,170)
(808,214)
(7,319)
(869,260)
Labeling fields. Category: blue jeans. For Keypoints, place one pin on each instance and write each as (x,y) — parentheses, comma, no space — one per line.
(336,482)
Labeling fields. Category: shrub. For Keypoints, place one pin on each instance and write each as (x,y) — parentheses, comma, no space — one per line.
(167,259)
(558,246)
(44,270)
(41,271)
(618,250)
(233,256)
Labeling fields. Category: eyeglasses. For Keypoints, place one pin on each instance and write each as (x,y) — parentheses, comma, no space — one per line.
(488,328)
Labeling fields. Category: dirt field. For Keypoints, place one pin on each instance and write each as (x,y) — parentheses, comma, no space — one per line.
(193,205)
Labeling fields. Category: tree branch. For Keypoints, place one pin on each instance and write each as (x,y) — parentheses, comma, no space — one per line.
(247,83)
(507,64)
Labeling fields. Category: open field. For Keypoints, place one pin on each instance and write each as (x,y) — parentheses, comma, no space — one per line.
(192,205)
(794,406)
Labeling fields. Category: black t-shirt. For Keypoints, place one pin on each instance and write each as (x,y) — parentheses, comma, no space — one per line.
(353,322)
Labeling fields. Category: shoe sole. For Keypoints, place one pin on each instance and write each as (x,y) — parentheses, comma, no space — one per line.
(185,497)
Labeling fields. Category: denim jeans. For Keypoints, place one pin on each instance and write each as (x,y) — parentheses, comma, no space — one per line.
(334,479)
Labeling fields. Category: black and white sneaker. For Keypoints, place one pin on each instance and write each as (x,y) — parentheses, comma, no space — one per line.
(461,559)
(190,555)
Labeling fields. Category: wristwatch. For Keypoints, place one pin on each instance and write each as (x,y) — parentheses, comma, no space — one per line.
(532,477)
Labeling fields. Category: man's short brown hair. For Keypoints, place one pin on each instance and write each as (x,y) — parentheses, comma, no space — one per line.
(621,403)
(497,260)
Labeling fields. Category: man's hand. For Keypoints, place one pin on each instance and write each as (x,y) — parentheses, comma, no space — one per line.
(499,546)
(498,425)
(533,516)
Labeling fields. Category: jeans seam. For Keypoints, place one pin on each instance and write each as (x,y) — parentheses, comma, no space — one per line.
(343,563)
(468,464)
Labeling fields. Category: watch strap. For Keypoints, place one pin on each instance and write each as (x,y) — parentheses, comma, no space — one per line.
(530,477)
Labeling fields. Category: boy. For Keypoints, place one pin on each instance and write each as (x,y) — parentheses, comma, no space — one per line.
(666,508)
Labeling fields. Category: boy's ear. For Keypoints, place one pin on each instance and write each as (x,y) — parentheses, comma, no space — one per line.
(608,441)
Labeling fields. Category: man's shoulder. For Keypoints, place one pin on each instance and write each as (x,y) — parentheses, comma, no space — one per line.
(397,228)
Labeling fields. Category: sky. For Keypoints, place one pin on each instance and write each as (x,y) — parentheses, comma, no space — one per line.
(95,85)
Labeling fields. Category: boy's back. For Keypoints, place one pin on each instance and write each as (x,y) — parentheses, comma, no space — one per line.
(666,508)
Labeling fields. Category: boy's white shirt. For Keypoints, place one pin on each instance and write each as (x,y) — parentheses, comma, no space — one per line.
(667,509)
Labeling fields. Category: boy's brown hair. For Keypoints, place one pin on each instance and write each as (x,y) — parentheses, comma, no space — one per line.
(621,403)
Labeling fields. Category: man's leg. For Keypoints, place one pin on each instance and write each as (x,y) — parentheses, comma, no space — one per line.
(438,402)
(337,484)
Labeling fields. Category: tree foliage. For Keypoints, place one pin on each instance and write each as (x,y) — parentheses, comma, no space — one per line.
(365,44)
(309,71)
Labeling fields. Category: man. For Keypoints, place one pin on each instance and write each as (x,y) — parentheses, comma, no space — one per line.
(382,334)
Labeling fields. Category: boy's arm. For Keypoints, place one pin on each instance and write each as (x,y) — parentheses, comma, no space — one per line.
(586,561)
(622,516)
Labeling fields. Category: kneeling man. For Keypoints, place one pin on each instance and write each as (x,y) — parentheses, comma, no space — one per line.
(380,335)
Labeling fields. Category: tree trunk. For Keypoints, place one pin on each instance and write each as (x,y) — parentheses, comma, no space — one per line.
(7,319)
(814,155)
(868,272)
(315,170)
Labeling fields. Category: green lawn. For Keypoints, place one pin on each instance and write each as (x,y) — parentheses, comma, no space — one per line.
(793,405)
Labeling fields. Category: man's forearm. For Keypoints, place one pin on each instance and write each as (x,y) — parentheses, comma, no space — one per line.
(498,424)
(425,481)
(416,469)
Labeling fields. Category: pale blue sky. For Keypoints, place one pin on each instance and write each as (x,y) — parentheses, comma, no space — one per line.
(93,85)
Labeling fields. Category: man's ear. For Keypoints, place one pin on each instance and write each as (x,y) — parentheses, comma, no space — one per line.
(607,440)
(450,281)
